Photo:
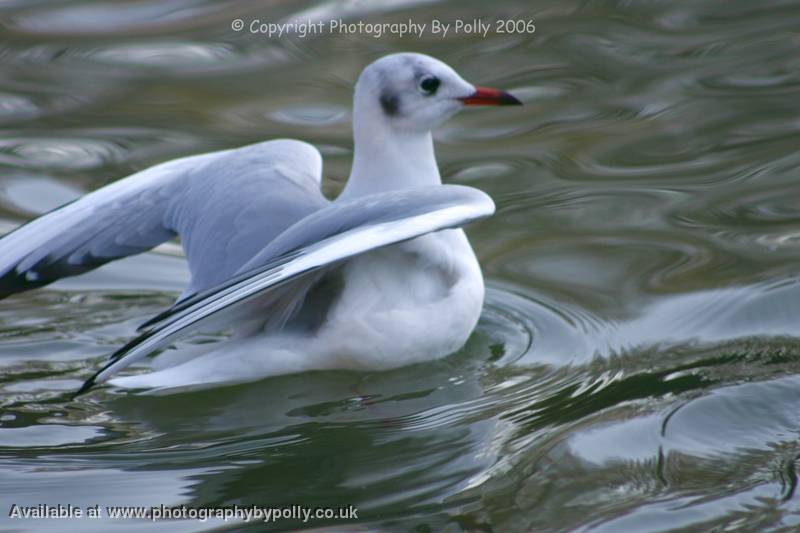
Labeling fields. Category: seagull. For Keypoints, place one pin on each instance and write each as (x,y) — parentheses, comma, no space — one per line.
(379,278)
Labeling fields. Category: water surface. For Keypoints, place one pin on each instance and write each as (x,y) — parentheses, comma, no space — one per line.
(636,366)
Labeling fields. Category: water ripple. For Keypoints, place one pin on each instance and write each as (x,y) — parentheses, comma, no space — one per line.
(89,149)
(93,19)
(635,365)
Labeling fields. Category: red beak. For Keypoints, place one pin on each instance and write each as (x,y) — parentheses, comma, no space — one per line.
(486,96)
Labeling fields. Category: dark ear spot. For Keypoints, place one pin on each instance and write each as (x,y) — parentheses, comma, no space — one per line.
(389,103)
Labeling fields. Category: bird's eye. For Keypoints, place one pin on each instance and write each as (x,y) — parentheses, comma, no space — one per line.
(429,84)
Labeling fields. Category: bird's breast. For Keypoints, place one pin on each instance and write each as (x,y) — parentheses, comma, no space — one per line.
(406,303)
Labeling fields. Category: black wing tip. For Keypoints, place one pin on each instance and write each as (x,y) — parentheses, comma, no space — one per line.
(113,358)
(14,282)
(153,321)
(181,304)
(87,385)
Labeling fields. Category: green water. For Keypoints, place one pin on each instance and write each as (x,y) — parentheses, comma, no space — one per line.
(636,367)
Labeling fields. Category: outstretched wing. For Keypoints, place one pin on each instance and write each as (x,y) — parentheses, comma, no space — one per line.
(333,234)
(226,206)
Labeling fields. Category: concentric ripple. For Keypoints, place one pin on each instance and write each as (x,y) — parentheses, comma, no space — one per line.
(635,367)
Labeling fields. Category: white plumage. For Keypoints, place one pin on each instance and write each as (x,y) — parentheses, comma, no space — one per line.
(374,280)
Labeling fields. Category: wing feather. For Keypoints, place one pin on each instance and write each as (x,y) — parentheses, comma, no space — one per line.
(323,239)
(226,206)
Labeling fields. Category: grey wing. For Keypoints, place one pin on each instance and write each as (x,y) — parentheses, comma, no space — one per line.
(242,202)
(112,222)
(322,239)
(226,206)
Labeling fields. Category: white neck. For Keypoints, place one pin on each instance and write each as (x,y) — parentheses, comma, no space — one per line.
(385,159)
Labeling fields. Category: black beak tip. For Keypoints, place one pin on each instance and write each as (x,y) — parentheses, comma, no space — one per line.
(510,99)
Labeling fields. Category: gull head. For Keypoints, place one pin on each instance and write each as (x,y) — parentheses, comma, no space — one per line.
(415,93)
